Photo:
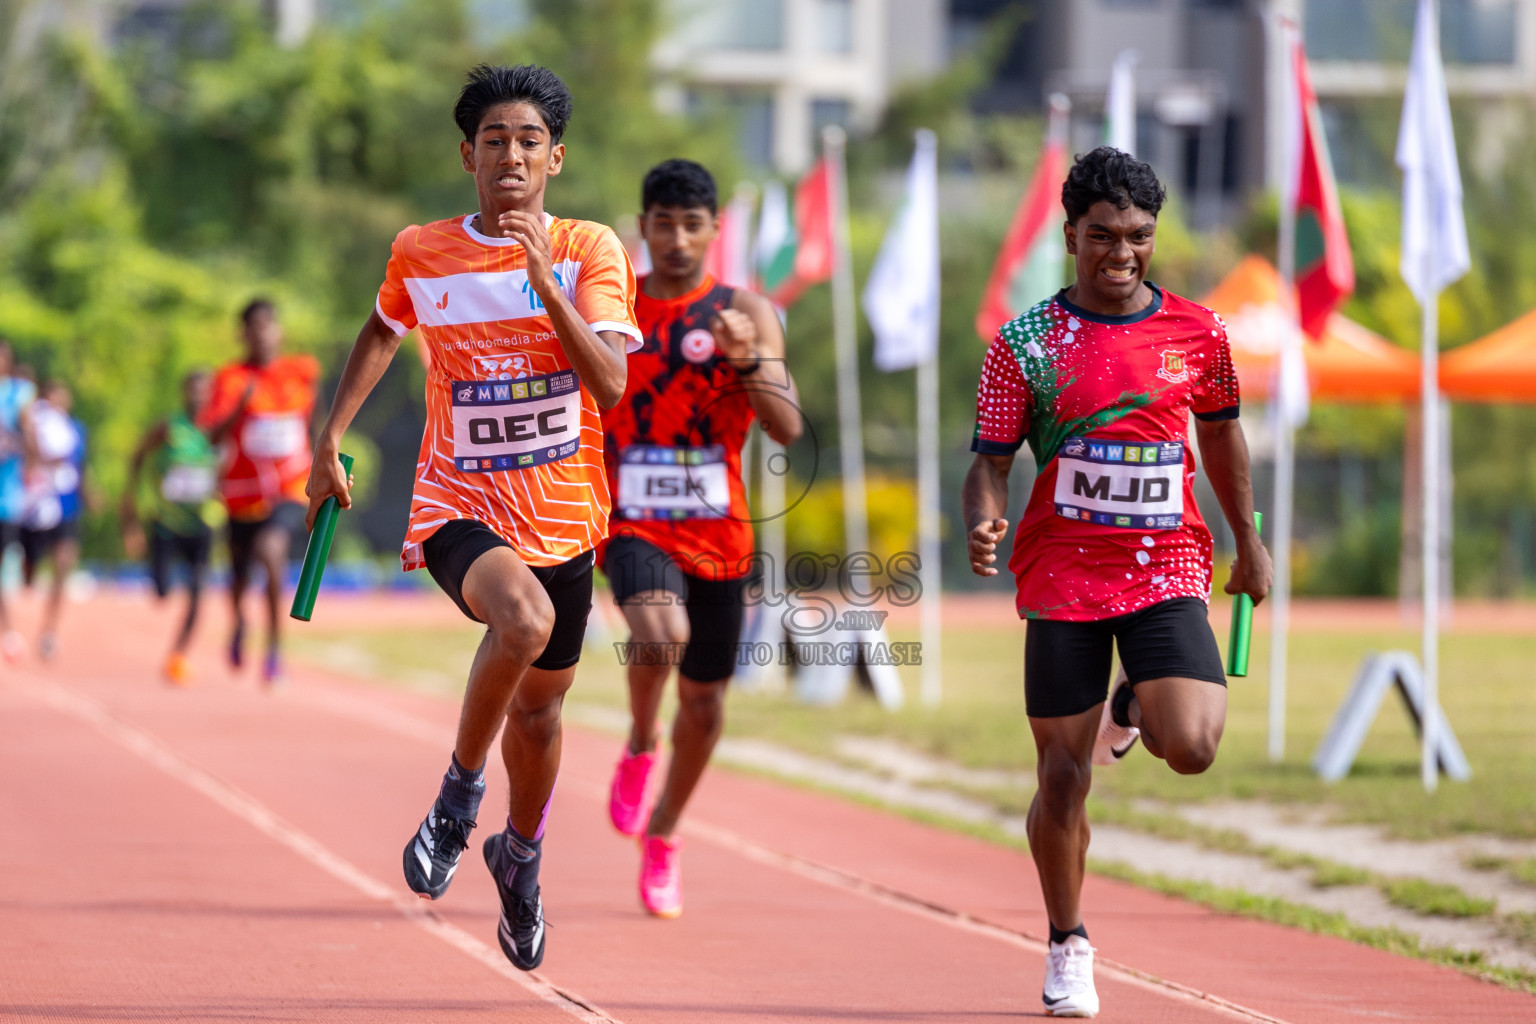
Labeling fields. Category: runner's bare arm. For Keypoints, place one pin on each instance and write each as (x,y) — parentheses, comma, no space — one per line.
(375,346)
(984,500)
(1225,453)
(752,339)
(597,356)
(128,514)
(221,429)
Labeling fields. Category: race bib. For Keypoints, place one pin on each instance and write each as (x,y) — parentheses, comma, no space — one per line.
(1121,483)
(187,485)
(272,435)
(657,482)
(514,424)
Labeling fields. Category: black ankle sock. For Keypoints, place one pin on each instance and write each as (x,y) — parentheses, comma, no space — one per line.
(1120,707)
(462,789)
(1058,936)
(523,878)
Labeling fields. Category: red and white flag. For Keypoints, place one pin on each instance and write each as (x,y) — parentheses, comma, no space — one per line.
(802,256)
(729,258)
(1325,269)
(1029,265)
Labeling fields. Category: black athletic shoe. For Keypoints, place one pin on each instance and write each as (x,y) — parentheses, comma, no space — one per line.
(521,928)
(432,855)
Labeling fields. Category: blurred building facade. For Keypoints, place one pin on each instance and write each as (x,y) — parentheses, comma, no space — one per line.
(1209,77)
(786,68)
(1207,72)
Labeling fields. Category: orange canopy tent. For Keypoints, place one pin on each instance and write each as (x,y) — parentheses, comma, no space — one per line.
(1498,368)
(1348,364)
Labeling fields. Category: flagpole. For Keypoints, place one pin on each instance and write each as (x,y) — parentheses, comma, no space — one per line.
(845,341)
(930,605)
(1285,453)
(1429,540)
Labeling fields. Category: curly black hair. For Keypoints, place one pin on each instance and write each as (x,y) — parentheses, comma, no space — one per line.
(1111,176)
(680,183)
(488,85)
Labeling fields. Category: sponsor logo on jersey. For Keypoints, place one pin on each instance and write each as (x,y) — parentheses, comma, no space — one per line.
(1173,369)
(1074,446)
(503,367)
(698,345)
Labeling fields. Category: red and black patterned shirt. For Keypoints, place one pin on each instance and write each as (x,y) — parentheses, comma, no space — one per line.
(1111,525)
(673,443)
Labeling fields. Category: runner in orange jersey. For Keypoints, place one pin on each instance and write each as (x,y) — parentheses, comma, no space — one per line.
(527,318)
(259,414)
(681,548)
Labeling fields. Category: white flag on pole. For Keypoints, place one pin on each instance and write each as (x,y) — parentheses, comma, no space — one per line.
(1120,103)
(1434,232)
(901,299)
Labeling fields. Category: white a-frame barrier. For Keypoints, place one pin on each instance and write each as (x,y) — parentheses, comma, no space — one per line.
(1378,674)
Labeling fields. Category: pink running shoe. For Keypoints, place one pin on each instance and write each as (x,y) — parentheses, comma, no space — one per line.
(661,876)
(626,797)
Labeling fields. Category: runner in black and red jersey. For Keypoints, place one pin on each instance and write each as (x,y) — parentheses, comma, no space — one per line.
(680,539)
(1100,380)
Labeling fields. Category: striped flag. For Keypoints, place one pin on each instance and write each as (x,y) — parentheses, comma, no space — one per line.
(794,248)
(1325,268)
(1029,265)
(728,259)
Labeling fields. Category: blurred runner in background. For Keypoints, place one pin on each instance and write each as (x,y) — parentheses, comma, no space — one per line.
(185,477)
(680,549)
(16,395)
(54,477)
(259,414)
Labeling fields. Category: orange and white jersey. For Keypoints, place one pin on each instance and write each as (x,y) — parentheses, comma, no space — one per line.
(513,439)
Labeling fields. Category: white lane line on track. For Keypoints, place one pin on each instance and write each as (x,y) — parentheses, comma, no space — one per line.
(260,817)
(405,724)
(898,899)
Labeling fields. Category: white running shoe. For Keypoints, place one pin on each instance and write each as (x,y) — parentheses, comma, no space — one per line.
(1069,990)
(1114,740)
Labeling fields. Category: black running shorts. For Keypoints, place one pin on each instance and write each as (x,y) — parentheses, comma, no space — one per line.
(456,545)
(287,516)
(715,607)
(37,545)
(167,547)
(1066,664)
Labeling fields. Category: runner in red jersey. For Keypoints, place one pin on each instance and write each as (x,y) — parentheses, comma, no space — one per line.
(1100,381)
(259,414)
(680,547)
(527,318)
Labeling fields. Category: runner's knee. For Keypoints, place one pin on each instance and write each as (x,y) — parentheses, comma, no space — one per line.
(1190,754)
(658,623)
(703,704)
(521,623)
(1064,780)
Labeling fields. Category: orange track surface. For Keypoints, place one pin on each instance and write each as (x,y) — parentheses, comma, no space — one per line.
(226,854)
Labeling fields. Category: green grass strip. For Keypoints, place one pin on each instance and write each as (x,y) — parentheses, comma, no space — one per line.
(1320,922)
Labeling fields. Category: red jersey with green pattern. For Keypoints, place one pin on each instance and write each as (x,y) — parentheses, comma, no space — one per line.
(1111,525)
(673,444)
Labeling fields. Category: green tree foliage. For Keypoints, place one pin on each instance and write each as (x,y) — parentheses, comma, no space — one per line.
(153,188)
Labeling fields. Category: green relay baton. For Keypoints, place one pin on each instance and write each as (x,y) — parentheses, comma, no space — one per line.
(1242,624)
(317,552)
